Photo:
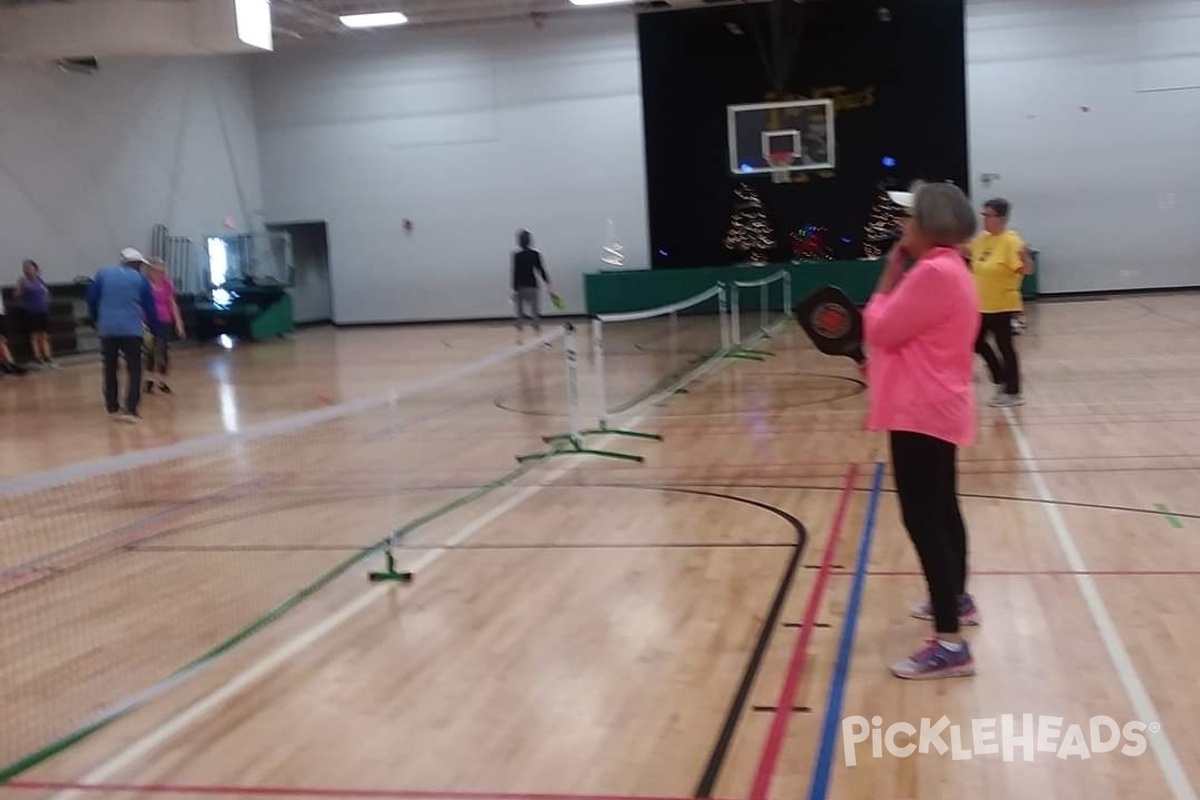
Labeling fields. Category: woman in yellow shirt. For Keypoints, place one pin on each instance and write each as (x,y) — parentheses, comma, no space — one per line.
(1000,260)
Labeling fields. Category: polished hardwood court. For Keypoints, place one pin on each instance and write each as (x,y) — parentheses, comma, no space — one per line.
(588,627)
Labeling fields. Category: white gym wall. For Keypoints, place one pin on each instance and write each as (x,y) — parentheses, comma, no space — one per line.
(90,163)
(471,133)
(1089,110)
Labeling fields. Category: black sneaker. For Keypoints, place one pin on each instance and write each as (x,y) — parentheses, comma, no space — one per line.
(162,387)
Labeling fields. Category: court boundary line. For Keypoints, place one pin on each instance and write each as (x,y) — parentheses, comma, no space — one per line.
(246,678)
(820,778)
(735,484)
(230,688)
(215,655)
(225,790)
(769,756)
(1135,691)
(737,706)
(1045,573)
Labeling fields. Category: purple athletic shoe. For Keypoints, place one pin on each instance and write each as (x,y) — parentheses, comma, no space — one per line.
(935,660)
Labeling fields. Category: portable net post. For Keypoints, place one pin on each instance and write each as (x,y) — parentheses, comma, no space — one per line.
(642,357)
(782,279)
(598,362)
(571,443)
(389,572)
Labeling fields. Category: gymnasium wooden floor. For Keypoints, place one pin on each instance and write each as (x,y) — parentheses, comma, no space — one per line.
(696,626)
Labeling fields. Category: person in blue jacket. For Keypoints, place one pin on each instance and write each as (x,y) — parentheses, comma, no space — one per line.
(122,305)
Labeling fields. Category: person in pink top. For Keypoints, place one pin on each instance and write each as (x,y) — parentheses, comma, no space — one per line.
(920,328)
(170,320)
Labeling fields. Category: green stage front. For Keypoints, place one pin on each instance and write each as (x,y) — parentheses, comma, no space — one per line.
(618,291)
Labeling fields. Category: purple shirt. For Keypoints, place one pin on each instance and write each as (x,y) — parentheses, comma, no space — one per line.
(36,295)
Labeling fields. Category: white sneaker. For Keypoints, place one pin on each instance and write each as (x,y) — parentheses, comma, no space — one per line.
(127,418)
(1007,400)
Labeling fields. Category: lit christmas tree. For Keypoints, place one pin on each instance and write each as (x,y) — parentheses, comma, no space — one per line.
(882,226)
(614,254)
(749,231)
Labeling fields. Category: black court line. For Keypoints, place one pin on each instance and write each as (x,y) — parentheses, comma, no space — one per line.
(720,750)
(308,500)
(301,548)
(887,490)
(773,709)
(737,706)
(858,387)
(978,496)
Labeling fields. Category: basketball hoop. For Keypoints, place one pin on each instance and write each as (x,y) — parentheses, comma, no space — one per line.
(780,163)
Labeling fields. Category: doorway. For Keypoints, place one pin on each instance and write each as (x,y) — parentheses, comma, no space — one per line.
(312,289)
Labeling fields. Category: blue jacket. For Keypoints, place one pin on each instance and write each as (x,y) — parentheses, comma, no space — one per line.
(121,302)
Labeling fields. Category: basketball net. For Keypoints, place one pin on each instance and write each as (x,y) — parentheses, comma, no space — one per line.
(780,162)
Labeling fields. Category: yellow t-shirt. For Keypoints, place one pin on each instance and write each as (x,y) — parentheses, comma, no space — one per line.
(997,264)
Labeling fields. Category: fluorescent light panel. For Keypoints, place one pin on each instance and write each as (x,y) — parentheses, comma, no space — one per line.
(597,2)
(380,19)
(253,19)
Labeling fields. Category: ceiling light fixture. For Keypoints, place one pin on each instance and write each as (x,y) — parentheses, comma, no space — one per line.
(598,2)
(380,19)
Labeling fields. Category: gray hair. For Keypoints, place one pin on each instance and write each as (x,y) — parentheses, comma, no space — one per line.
(943,214)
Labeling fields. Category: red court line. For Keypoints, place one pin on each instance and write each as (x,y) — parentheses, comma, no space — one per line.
(1018,572)
(221,790)
(787,693)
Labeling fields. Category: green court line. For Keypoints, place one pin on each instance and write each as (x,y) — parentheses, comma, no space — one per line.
(212,656)
(1171,518)
(126,707)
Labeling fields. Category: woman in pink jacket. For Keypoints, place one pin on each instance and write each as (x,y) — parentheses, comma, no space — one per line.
(920,329)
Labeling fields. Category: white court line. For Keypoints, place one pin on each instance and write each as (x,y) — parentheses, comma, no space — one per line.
(231,688)
(1160,743)
(244,680)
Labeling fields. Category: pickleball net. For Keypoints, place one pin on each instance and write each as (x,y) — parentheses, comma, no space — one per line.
(124,577)
(638,356)
(757,308)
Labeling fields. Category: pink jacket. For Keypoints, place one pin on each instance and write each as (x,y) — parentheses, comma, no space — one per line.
(920,340)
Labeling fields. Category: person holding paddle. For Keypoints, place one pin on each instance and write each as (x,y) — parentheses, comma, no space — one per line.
(920,328)
(526,267)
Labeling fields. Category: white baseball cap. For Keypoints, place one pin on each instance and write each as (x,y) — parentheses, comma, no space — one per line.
(132,255)
(902,199)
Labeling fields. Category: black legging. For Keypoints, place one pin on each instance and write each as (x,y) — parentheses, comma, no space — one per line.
(926,474)
(1005,369)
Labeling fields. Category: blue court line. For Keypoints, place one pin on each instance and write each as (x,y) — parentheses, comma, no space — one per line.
(823,765)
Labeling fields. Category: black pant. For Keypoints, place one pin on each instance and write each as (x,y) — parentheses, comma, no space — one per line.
(129,348)
(158,357)
(926,473)
(1005,370)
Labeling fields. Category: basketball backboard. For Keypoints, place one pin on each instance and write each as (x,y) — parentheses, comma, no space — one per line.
(763,135)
